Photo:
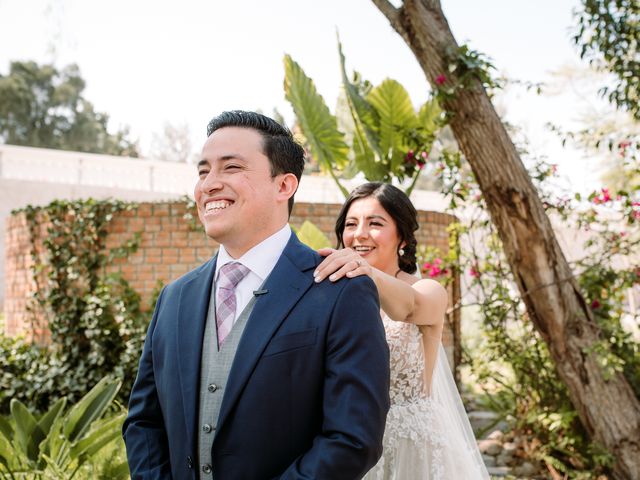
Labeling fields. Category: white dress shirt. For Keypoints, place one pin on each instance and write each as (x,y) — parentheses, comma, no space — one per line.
(260,260)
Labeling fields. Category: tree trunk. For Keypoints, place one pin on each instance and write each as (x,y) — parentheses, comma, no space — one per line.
(608,409)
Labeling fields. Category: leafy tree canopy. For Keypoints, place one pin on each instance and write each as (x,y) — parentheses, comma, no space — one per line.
(608,33)
(41,106)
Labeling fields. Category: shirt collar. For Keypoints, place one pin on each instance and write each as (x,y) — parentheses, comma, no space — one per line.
(260,259)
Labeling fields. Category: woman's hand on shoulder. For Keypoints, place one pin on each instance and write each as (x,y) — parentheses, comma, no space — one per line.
(341,263)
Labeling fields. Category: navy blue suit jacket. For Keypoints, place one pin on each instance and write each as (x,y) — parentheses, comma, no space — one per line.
(307,394)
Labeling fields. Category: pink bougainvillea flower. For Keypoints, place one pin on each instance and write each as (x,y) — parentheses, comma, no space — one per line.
(432,269)
(474,272)
(603,197)
(440,79)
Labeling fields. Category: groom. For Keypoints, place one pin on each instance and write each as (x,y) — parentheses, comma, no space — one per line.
(250,370)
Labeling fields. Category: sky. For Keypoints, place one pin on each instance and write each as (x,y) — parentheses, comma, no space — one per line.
(150,62)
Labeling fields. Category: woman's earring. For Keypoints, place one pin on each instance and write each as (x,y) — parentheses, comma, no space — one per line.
(401,251)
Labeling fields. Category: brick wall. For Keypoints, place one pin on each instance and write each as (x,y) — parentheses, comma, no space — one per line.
(169,247)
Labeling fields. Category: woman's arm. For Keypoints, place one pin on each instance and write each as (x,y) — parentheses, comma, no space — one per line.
(422,302)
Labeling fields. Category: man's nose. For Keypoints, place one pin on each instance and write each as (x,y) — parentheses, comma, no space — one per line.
(211,183)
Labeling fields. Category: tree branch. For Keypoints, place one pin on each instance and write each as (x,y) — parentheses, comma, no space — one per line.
(392,13)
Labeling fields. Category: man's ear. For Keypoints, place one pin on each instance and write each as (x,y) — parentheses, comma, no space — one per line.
(287,185)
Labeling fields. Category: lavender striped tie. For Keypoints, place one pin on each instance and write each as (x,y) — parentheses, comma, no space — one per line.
(230,276)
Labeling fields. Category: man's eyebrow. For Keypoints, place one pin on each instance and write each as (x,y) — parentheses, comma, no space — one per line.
(202,163)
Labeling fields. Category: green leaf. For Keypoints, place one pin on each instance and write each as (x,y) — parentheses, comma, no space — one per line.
(368,155)
(363,112)
(8,455)
(396,116)
(429,115)
(101,434)
(89,408)
(316,121)
(395,111)
(56,444)
(48,418)
(48,427)
(312,236)
(25,424)
(6,429)
(119,472)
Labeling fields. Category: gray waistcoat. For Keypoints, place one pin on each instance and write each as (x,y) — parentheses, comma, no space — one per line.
(214,371)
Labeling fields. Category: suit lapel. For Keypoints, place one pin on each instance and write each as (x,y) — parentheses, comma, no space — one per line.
(192,317)
(285,285)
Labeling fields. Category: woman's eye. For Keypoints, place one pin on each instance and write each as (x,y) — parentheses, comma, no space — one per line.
(351,224)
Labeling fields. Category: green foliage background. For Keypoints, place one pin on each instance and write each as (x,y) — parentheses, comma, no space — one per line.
(96,322)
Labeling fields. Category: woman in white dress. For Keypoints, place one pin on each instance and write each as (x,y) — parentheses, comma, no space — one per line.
(427,435)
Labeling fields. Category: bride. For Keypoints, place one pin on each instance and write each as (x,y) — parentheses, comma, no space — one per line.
(427,435)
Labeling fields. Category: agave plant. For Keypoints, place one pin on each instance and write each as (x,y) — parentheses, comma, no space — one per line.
(59,444)
(383,136)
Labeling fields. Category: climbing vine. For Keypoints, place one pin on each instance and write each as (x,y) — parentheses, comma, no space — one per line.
(94,318)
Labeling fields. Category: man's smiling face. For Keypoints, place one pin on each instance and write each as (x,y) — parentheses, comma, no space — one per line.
(236,195)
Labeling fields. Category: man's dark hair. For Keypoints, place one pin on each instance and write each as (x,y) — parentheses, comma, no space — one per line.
(284,153)
(396,203)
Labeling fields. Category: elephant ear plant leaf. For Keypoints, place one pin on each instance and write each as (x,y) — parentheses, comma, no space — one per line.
(382,135)
(397,116)
(318,124)
(58,444)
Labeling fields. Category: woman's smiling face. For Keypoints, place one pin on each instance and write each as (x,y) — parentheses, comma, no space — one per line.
(370,231)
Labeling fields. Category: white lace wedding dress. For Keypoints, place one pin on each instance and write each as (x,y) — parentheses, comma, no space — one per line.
(427,435)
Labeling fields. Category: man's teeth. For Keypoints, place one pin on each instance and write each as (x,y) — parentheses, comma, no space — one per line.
(216,205)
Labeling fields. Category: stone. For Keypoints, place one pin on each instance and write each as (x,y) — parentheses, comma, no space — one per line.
(481,420)
(489,461)
(490,447)
(496,435)
(526,469)
(505,459)
(509,448)
(499,471)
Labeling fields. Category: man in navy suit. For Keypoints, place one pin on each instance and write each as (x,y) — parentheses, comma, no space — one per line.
(251,370)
